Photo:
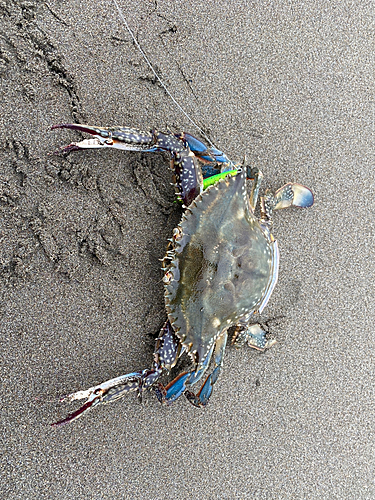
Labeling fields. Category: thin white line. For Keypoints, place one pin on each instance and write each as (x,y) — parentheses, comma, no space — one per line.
(156,75)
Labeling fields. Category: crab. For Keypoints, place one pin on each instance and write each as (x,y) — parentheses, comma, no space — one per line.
(220,268)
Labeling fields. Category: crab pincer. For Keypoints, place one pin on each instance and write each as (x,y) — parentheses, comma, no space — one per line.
(124,138)
(104,393)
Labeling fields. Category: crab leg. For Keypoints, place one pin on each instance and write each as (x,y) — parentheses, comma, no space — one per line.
(166,354)
(208,155)
(178,386)
(189,180)
(201,399)
(252,334)
(256,175)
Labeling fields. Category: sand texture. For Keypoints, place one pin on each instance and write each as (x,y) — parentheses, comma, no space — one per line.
(290,84)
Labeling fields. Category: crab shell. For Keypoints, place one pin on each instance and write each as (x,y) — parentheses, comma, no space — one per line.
(221,267)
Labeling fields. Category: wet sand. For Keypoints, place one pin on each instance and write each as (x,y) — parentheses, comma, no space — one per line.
(81,296)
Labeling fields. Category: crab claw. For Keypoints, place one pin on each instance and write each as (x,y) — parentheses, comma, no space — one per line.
(124,138)
(94,399)
(82,128)
(97,142)
(106,393)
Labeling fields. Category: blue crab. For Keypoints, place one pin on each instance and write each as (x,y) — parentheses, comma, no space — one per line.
(220,268)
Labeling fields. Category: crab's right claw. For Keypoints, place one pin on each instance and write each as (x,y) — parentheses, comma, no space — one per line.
(101,137)
(124,138)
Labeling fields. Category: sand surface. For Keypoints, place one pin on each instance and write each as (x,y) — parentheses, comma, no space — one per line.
(81,298)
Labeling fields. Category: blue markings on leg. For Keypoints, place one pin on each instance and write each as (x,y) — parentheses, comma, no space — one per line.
(174,390)
(201,399)
(178,386)
(211,155)
(195,144)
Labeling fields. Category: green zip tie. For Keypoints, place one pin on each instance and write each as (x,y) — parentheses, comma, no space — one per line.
(215,178)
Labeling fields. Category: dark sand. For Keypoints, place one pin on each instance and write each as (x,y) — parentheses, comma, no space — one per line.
(80,238)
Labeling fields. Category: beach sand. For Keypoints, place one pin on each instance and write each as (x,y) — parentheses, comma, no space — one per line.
(81,297)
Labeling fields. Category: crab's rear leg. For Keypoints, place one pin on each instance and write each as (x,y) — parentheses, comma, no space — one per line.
(181,384)
(201,399)
(166,354)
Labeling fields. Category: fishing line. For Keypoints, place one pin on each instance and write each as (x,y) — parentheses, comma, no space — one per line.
(122,17)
